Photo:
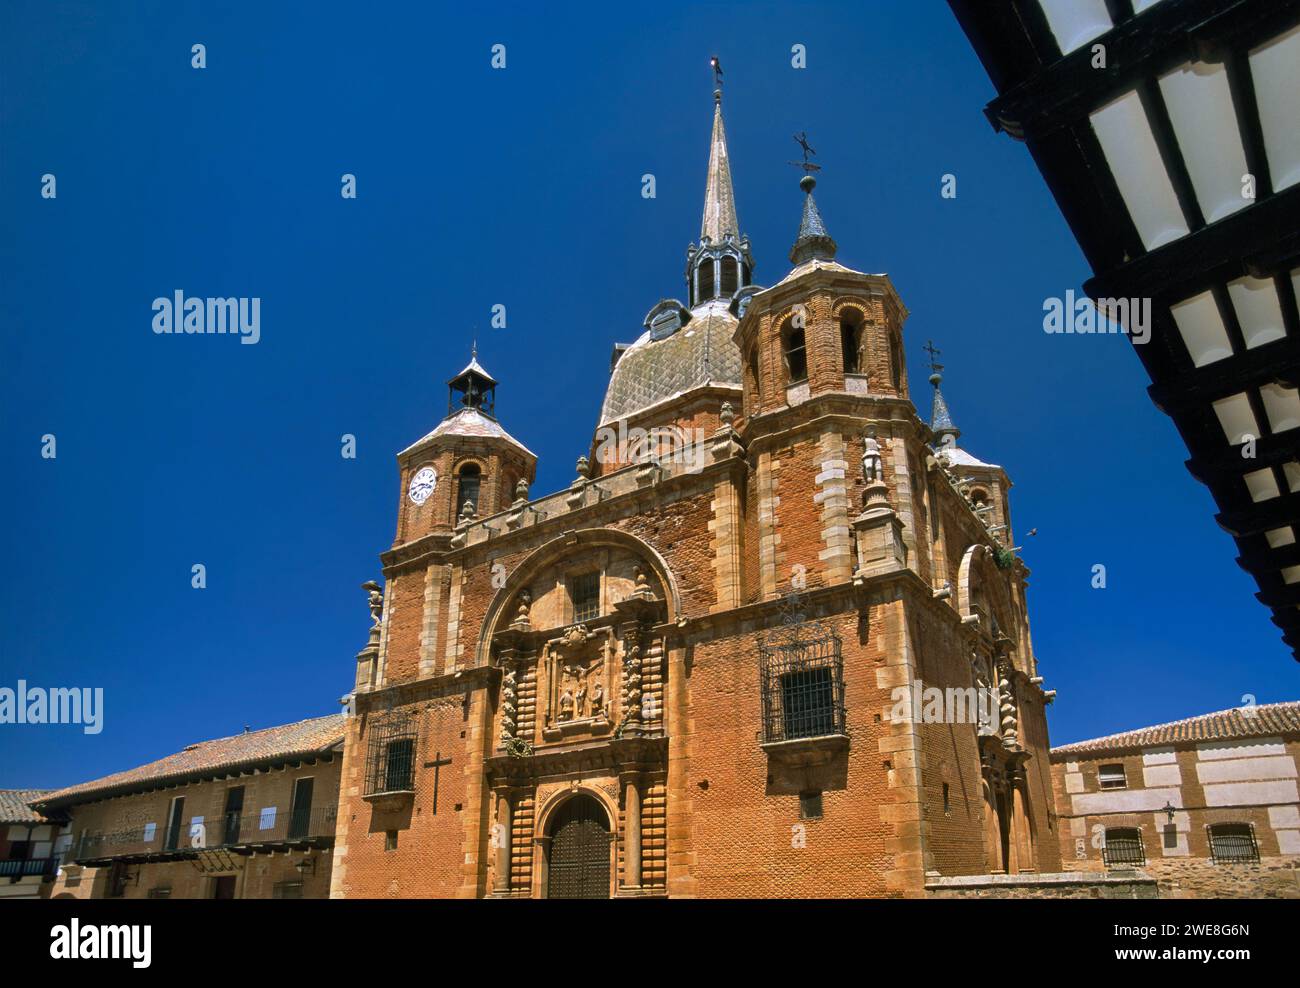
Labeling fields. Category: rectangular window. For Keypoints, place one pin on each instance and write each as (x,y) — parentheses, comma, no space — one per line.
(234,814)
(390,840)
(585,591)
(161,892)
(287,890)
(810,805)
(1233,843)
(1123,848)
(174,824)
(300,814)
(1112,776)
(802,686)
(390,754)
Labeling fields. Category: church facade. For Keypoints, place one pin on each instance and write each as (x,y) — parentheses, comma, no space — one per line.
(772,640)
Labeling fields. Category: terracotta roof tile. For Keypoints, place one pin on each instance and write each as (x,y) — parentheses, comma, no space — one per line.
(307,737)
(14,808)
(1222,725)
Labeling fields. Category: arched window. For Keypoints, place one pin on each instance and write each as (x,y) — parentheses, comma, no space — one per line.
(751,370)
(895,363)
(467,487)
(851,341)
(704,274)
(729,284)
(796,356)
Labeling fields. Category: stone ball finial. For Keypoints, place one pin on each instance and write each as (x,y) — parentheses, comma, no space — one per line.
(808,183)
(467,510)
(584,468)
(728,413)
(521,490)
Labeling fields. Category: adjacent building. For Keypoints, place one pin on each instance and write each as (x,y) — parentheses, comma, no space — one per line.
(28,861)
(1169,133)
(1207,805)
(709,667)
(244,817)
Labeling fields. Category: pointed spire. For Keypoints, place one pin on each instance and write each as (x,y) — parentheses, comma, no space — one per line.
(813,240)
(719,199)
(945,433)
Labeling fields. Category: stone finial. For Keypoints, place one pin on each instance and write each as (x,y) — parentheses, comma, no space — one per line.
(584,468)
(467,512)
(872,467)
(521,492)
(728,414)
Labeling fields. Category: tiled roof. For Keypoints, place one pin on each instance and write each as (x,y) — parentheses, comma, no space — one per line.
(1223,725)
(14,808)
(650,371)
(273,744)
(469,422)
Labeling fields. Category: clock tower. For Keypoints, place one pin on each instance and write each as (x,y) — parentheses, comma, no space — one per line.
(467,468)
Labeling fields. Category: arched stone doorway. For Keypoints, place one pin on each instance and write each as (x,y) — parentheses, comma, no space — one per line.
(579,853)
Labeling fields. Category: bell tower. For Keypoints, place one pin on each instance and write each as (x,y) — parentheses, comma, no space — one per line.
(721,262)
(467,468)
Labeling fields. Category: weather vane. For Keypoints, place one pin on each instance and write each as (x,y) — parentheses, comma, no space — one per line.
(933,351)
(801,139)
(717,71)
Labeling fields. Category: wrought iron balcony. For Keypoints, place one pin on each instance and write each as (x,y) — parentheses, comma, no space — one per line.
(802,684)
(15,869)
(246,831)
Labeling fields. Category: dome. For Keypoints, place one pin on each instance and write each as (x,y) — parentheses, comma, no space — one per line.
(651,371)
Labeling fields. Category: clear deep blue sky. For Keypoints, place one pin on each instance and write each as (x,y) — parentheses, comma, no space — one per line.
(520,186)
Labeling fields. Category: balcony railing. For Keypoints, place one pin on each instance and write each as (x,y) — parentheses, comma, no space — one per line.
(248,829)
(24,868)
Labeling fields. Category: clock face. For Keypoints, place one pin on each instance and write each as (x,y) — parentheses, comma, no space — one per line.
(422,484)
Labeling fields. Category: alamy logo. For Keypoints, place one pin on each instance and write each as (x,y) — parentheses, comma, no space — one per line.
(917,703)
(1131,316)
(181,315)
(75,942)
(661,444)
(57,705)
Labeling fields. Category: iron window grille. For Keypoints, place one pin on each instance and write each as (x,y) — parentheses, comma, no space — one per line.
(390,758)
(1123,848)
(585,590)
(1232,843)
(802,683)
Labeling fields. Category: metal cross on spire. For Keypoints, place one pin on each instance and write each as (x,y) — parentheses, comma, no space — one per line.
(801,139)
(933,351)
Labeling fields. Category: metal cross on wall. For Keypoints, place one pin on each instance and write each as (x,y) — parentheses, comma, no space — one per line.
(436,765)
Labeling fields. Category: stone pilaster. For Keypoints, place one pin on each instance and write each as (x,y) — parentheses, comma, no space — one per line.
(833,496)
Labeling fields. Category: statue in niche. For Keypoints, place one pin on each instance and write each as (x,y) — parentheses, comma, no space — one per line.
(598,700)
(566,705)
(872,468)
(376,600)
(580,700)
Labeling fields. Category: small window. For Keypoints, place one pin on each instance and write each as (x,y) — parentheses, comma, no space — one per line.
(1232,843)
(796,357)
(850,344)
(947,805)
(1112,776)
(467,488)
(1123,848)
(895,364)
(161,892)
(286,890)
(390,840)
(585,590)
(810,805)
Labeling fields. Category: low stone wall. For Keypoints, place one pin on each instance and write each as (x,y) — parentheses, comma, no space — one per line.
(1054,885)
(1197,878)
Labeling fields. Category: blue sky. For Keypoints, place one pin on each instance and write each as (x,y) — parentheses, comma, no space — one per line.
(522,187)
